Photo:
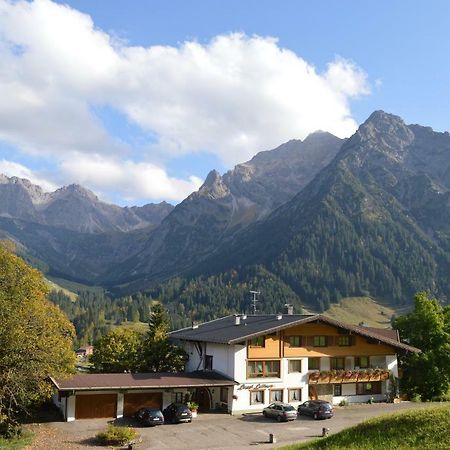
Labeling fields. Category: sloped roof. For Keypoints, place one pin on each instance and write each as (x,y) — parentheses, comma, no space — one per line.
(224,330)
(108,381)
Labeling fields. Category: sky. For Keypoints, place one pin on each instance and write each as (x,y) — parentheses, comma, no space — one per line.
(139,100)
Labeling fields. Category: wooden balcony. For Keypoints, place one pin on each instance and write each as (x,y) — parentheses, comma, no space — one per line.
(348,376)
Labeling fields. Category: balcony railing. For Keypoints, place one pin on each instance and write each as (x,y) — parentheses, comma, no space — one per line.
(348,376)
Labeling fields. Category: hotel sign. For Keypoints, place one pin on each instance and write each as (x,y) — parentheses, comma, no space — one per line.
(255,386)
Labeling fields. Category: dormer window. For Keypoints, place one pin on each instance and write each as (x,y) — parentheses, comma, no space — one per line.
(257,342)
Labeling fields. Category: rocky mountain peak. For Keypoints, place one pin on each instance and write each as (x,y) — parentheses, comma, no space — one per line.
(77,191)
(214,186)
(392,128)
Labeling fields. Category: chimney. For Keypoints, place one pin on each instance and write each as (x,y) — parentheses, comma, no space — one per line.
(194,325)
(237,319)
(288,309)
(279,316)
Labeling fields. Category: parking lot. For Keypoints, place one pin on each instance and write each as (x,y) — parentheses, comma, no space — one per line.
(216,431)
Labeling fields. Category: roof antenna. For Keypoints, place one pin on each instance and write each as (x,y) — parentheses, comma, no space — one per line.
(254,300)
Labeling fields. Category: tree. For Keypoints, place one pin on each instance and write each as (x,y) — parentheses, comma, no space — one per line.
(428,328)
(160,355)
(36,339)
(118,351)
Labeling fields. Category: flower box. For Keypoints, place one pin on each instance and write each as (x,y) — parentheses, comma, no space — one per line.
(350,376)
(324,377)
(336,376)
(314,377)
(363,375)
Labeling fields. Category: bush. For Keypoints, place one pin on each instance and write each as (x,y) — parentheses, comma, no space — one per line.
(416,398)
(441,398)
(117,435)
(343,402)
(192,406)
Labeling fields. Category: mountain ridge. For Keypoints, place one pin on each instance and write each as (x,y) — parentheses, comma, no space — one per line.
(73,207)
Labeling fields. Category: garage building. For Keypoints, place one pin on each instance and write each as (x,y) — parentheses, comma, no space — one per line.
(114,395)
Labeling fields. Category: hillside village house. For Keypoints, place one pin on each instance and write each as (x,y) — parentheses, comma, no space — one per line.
(242,363)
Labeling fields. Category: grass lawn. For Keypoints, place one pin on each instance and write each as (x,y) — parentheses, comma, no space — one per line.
(426,429)
(361,309)
(16,444)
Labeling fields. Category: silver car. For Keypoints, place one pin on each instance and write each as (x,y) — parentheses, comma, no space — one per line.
(282,412)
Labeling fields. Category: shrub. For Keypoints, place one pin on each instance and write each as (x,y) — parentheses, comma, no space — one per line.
(117,435)
(192,406)
(416,398)
(343,402)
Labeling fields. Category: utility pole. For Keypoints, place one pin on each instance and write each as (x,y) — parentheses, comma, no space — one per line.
(254,300)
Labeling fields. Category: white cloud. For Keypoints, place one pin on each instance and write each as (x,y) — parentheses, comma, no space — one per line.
(13,169)
(232,96)
(136,180)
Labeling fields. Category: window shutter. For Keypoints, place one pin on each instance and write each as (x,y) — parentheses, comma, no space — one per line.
(310,341)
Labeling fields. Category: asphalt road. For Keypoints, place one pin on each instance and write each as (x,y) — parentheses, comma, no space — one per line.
(215,431)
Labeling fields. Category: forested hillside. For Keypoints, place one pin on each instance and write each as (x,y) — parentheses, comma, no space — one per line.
(352,230)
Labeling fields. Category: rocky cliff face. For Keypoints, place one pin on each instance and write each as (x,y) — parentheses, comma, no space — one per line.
(225,205)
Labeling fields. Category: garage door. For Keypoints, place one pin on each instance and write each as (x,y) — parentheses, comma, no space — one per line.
(93,406)
(133,402)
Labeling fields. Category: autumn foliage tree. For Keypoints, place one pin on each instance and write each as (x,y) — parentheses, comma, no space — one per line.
(35,339)
(118,351)
(126,350)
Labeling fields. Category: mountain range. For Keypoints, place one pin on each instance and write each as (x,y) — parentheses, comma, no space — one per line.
(312,221)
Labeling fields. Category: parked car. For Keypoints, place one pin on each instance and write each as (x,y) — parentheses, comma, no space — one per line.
(318,409)
(177,412)
(150,417)
(282,412)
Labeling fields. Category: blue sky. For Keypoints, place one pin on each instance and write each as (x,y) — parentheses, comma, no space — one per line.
(139,100)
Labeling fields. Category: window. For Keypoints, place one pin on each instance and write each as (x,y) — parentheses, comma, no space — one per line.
(276,395)
(313,363)
(337,390)
(362,362)
(224,395)
(208,362)
(179,397)
(337,363)
(368,388)
(295,395)
(256,397)
(258,369)
(295,365)
(320,341)
(257,342)
(344,341)
(295,341)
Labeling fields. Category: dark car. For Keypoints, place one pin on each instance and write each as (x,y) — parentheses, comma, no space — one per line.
(150,417)
(318,409)
(177,412)
(280,411)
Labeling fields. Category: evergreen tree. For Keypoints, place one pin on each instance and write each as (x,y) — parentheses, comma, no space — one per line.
(160,355)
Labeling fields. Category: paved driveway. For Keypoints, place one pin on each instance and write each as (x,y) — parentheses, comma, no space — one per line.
(217,431)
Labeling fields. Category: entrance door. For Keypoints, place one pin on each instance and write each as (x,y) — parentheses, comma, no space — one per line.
(203,398)
(95,406)
(312,392)
(133,402)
